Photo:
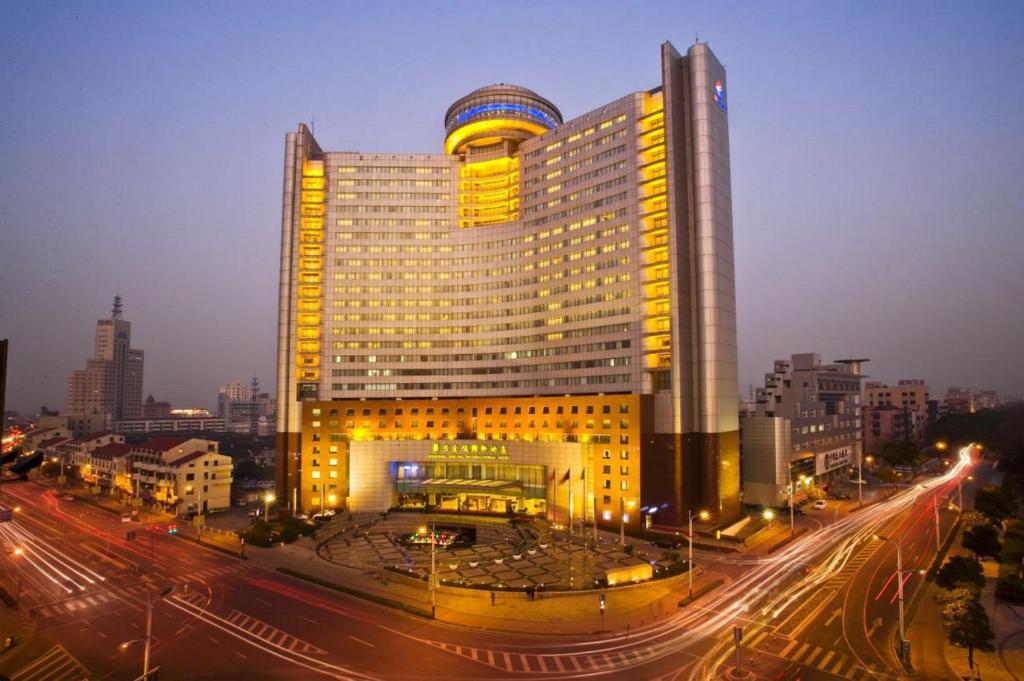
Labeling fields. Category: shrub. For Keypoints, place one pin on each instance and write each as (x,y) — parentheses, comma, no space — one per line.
(959,571)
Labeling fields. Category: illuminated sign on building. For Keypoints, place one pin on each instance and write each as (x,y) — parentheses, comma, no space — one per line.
(450,451)
(830,460)
(718,95)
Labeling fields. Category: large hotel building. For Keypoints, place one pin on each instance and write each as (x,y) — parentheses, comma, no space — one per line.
(547,305)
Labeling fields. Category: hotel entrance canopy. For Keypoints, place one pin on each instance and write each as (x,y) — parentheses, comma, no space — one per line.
(450,485)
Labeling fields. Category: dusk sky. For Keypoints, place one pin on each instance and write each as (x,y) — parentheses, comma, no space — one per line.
(877,157)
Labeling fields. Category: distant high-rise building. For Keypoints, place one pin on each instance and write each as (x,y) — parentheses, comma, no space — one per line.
(967,401)
(151,409)
(111,382)
(545,296)
(244,407)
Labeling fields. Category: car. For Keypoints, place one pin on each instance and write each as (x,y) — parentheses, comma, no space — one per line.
(301,516)
(325,514)
(841,496)
(126,517)
(68,497)
(820,505)
(666,542)
(241,502)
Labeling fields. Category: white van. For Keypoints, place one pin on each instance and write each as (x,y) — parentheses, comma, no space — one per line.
(820,505)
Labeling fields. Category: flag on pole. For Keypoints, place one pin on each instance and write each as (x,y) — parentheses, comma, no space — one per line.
(583,475)
(552,475)
(565,478)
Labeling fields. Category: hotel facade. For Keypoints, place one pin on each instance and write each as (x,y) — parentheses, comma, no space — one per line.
(546,306)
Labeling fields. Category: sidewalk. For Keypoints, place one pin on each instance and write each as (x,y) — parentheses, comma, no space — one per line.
(935,658)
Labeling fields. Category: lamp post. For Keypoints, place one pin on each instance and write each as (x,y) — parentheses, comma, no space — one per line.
(899,587)
(860,477)
(268,499)
(430,582)
(147,640)
(703,515)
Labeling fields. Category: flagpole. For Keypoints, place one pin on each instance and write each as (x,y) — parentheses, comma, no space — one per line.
(569,534)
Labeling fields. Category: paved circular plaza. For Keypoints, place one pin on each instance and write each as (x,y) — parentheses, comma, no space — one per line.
(522,557)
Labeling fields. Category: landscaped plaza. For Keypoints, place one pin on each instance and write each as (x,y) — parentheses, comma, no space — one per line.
(497,554)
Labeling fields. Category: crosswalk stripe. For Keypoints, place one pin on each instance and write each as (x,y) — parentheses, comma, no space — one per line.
(800,652)
(824,660)
(840,663)
(814,654)
(789,646)
(757,639)
(490,657)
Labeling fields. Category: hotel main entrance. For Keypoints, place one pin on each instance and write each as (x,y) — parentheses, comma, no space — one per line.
(487,487)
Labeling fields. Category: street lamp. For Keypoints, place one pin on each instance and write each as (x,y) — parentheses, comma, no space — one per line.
(268,499)
(703,515)
(433,588)
(899,586)
(769,515)
(147,640)
(61,460)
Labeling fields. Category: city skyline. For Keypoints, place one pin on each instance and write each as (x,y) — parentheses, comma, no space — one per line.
(191,172)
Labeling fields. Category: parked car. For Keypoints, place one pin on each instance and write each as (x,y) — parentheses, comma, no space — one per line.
(301,516)
(325,514)
(840,496)
(68,497)
(126,517)
(667,542)
(820,505)
(241,502)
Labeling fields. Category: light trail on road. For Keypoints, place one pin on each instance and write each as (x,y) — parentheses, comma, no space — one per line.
(47,560)
(839,538)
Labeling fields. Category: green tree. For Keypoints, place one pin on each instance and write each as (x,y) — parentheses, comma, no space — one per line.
(960,571)
(991,501)
(967,624)
(887,475)
(983,540)
(900,453)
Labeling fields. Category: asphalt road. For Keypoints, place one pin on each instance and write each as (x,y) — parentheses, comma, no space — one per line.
(808,610)
(847,625)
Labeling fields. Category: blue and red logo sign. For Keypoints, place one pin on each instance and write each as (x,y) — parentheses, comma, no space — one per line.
(718,95)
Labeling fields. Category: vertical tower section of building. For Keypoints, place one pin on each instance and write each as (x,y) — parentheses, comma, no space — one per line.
(696,430)
(300,300)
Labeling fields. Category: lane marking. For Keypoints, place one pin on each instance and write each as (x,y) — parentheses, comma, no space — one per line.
(307,619)
(365,643)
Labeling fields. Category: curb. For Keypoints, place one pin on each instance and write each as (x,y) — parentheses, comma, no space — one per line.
(701,592)
(778,545)
(212,547)
(380,600)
